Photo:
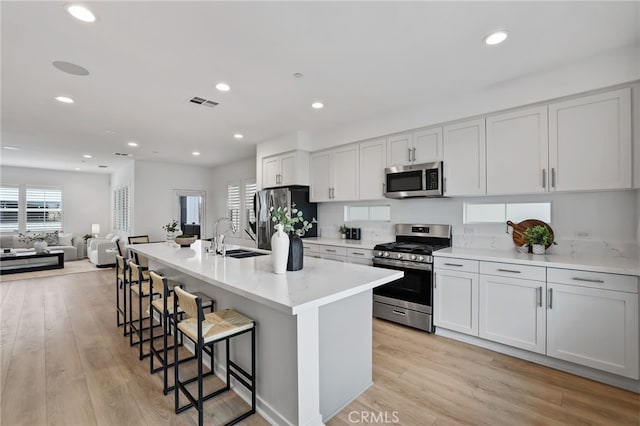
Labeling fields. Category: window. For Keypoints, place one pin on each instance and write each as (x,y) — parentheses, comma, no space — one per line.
(44,209)
(249,210)
(9,209)
(121,208)
(501,212)
(233,205)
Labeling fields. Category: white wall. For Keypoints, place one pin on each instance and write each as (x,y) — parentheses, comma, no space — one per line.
(610,217)
(220,177)
(86,197)
(153,203)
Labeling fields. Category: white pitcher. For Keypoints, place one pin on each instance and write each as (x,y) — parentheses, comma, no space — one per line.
(279,249)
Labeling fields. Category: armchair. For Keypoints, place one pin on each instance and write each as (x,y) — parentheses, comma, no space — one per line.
(102,252)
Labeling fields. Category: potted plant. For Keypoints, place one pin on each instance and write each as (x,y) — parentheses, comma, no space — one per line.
(290,226)
(539,237)
(172,229)
(342,229)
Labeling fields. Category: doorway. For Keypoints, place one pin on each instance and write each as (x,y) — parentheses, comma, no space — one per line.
(189,209)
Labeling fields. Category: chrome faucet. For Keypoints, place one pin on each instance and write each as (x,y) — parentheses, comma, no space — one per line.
(219,238)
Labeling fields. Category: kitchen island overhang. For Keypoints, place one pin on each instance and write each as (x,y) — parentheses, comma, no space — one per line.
(314,348)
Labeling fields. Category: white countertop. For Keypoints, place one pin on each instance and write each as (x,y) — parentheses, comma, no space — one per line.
(607,264)
(340,242)
(320,282)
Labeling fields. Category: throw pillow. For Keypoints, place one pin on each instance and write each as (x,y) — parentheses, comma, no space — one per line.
(65,239)
(51,238)
(108,236)
(115,239)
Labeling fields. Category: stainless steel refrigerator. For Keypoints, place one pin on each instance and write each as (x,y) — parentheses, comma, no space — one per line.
(282,197)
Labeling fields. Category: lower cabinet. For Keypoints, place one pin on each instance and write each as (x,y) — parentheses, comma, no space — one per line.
(512,312)
(455,301)
(593,327)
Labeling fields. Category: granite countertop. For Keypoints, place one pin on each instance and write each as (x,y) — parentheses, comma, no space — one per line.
(363,244)
(320,282)
(606,264)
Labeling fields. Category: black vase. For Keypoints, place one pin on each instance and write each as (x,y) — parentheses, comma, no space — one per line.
(296,253)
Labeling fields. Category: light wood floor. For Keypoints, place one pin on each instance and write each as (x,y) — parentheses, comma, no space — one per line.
(63,362)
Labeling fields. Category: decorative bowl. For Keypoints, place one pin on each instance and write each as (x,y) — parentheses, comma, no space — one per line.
(185,241)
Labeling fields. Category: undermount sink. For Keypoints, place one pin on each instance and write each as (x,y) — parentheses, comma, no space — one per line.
(240,254)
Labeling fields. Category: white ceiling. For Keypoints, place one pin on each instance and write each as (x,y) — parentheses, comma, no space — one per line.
(361,59)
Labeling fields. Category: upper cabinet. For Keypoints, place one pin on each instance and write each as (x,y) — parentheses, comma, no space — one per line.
(590,142)
(423,146)
(290,168)
(335,174)
(464,158)
(517,152)
(373,160)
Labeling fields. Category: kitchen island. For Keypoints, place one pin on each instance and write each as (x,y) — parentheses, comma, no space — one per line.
(314,326)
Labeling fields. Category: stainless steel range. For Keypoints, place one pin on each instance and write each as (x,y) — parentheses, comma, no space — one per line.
(409,300)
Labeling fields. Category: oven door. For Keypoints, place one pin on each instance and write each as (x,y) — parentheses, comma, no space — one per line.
(415,288)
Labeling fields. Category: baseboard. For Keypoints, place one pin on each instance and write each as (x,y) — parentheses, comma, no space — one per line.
(558,364)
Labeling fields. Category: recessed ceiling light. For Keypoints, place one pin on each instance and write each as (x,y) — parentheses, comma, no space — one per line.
(64,100)
(196,153)
(12,148)
(81,13)
(76,169)
(223,87)
(132,144)
(87,156)
(317,105)
(495,38)
(238,136)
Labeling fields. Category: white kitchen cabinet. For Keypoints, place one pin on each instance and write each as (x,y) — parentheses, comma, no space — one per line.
(518,152)
(422,146)
(455,303)
(360,256)
(290,168)
(465,158)
(590,142)
(335,174)
(595,327)
(373,160)
(512,311)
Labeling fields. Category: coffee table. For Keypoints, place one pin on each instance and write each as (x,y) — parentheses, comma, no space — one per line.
(31,261)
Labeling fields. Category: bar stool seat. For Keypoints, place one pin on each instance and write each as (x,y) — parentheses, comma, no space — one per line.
(205,331)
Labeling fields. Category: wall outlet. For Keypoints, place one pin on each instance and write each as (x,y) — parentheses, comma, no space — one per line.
(468,230)
(583,235)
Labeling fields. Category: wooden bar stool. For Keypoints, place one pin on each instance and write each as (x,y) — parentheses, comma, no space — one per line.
(205,331)
(140,286)
(164,307)
(122,281)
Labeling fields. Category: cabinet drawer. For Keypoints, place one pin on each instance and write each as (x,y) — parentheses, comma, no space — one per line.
(627,283)
(342,259)
(525,272)
(456,264)
(309,247)
(360,253)
(333,250)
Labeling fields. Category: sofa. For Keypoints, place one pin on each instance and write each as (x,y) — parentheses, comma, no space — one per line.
(71,245)
(102,251)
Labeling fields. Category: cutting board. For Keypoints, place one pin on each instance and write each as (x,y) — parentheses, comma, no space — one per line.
(519,229)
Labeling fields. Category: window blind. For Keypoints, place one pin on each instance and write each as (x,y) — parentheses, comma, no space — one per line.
(121,209)
(44,209)
(249,213)
(233,204)
(9,209)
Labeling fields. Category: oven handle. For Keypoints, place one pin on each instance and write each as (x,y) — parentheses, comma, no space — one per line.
(403,265)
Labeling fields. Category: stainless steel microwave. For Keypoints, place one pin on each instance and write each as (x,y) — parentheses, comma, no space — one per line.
(414,180)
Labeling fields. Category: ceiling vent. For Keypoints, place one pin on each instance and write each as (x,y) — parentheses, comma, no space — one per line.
(122,154)
(204,102)
(103,167)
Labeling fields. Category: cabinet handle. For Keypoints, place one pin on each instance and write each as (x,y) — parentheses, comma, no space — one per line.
(329,192)
(330,251)
(333,192)
(510,270)
(544,178)
(454,264)
(539,296)
(553,177)
(383,187)
(399,312)
(444,185)
(414,153)
(589,280)
(550,298)
(409,154)
(357,254)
